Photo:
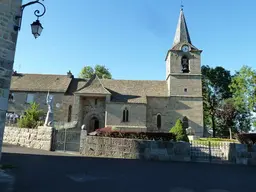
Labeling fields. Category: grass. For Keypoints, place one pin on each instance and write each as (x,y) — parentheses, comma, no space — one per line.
(215,142)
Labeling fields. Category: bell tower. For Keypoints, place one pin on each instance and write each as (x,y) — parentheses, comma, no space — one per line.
(183,64)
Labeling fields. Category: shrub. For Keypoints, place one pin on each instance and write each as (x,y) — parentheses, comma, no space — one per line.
(178,130)
(247,138)
(31,119)
(139,135)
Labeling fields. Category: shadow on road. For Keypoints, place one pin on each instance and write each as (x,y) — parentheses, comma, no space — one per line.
(42,173)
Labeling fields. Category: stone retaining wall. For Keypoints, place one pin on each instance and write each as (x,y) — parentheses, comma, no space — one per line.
(40,138)
(243,154)
(232,153)
(135,149)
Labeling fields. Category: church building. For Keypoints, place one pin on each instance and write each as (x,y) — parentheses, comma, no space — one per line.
(130,105)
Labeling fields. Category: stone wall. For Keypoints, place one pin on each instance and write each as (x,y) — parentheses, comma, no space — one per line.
(19,104)
(230,153)
(134,149)
(9,9)
(173,108)
(137,114)
(92,107)
(40,138)
(243,154)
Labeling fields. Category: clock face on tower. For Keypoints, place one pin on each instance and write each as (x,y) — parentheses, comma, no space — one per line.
(185,48)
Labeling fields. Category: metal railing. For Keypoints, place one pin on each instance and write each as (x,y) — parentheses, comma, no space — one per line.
(210,151)
(67,140)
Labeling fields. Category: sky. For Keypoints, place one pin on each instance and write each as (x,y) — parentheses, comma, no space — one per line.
(131,37)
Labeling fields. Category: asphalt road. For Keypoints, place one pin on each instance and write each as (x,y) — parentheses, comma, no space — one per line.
(40,171)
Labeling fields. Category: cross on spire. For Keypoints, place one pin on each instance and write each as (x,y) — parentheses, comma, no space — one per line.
(181,4)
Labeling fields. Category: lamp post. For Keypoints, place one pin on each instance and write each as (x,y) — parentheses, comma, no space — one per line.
(36,26)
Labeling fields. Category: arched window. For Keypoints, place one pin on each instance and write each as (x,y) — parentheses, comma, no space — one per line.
(185,124)
(159,121)
(125,115)
(185,64)
(69,112)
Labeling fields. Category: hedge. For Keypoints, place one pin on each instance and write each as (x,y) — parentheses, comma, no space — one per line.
(247,138)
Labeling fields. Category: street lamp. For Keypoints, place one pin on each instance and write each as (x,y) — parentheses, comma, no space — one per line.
(36,26)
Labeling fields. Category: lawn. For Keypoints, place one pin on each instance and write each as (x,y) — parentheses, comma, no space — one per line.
(215,142)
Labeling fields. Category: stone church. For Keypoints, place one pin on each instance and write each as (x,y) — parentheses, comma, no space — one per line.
(135,105)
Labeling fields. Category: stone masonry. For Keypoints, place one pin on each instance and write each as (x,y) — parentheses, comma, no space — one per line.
(9,9)
(40,138)
(60,112)
(135,149)
(231,153)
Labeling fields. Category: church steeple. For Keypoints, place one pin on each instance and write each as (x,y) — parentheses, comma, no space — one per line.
(182,34)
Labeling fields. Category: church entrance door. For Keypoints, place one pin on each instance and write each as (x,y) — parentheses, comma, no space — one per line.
(94,124)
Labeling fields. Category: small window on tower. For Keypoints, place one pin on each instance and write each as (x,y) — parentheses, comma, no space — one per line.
(125,115)
(185,90)
(185,64)
(158,121)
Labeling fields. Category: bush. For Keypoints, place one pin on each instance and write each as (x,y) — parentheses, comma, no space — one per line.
(247,138)
(31,119)
(178,130)
(139,135)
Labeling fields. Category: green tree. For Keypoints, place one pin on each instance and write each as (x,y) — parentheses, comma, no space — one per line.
(227,113)
(215,83)
(243,88)
(178,130)
(32,116)
(100,70)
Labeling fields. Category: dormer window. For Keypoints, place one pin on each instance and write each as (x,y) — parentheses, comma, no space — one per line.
(185,64)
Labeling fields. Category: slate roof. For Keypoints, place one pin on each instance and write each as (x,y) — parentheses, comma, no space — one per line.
(182,34)
(134,91)
(131,91)
(93,86)
(40,83)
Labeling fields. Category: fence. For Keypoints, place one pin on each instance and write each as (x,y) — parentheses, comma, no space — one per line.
(67,140)
(213,152)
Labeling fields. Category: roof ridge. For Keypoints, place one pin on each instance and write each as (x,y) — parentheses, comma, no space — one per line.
(41,74)
(102,84)
(129,80)
(90,82)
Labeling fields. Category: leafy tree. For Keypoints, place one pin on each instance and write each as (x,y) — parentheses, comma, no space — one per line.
(227,113)
(32,116)
(243,88)
(215,83)
(178,130)
(100,70)
(254,124)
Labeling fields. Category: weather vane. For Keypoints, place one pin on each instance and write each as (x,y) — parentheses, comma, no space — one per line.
(181,4)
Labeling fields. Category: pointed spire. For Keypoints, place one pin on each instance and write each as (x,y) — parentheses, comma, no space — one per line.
(182,34)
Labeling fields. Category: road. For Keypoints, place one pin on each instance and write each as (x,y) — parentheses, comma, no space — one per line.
(40,171)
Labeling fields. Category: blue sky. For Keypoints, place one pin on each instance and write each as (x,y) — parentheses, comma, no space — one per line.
(131,37)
